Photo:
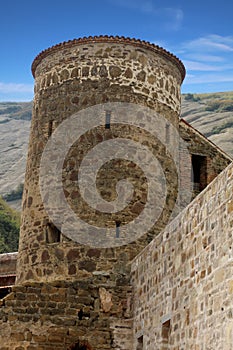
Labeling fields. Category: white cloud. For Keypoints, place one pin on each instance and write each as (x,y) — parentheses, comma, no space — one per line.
(204,57)
(175,18)
(170,18)
(208,59)
(199,66)
(208,78)
(211,43)
(15,88)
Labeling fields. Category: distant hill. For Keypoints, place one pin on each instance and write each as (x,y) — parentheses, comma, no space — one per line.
(211,114)
(15,119)
(9,228)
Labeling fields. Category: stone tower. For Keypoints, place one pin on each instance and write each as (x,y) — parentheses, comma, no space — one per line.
(70,77)
(91,283)
(84,279)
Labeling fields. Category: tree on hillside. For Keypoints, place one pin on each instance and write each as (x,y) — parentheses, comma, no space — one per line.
(9,228)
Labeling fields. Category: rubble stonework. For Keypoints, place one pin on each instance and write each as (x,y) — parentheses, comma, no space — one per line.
(67,293)
(90,72)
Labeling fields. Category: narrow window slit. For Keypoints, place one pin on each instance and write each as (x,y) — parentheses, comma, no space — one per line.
(50,128)
(107,120)
(118,229)
(167,134)
(166,330)
(80,314)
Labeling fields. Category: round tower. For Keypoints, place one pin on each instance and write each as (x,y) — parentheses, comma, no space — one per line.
(73,77)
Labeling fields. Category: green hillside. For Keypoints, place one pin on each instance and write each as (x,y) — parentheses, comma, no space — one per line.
(9,228)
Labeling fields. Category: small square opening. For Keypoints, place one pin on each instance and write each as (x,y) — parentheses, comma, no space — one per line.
(53,234)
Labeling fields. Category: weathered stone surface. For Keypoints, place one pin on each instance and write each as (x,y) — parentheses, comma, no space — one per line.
(68,293)
(198,273)
(87,265)
(73,254)
(105,299)
(114,71)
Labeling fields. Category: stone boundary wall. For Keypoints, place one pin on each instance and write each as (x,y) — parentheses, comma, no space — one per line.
(182,280)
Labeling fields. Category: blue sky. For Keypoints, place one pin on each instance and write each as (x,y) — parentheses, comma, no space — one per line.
(200,33)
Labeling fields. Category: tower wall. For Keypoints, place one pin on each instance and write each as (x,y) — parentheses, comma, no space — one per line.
(70,77)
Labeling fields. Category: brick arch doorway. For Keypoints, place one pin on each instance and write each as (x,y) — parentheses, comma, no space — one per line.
(80,346)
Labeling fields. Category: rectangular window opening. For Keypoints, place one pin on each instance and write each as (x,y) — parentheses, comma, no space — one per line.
(53,234)
(107,120)
(199,172)
(140,343)
(166,330)
(118,224)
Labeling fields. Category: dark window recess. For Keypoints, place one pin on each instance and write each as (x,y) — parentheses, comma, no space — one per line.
(167,133)
(83,315)
(166,330)
(107,120)
(140,343)
(80,314)
(80,346)
(53,234)
(118,224)
(50,128)
(199,172)
(4,291)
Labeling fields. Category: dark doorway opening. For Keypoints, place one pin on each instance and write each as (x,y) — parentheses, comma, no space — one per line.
(199,172)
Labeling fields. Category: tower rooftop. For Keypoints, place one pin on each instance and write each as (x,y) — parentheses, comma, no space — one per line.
(110,39)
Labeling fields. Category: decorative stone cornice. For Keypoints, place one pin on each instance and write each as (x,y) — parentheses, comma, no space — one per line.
(110,39)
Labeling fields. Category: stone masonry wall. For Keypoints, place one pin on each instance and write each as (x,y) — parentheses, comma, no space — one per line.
(197,144)
(182,281)
(60,314)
